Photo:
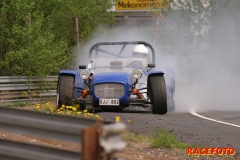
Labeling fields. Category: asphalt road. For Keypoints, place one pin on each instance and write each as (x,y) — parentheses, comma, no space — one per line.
(186,127)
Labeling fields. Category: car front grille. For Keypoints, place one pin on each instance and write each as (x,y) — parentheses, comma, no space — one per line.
(109,90)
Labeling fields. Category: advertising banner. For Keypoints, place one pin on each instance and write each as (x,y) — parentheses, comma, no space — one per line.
(141,4)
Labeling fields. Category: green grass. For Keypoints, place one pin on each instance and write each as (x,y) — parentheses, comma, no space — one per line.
(136,137)
(159,138)
(15,104)
(20,104)
(162,138)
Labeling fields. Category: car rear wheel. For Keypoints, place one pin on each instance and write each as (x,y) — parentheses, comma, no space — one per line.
(65,90)
(157,94)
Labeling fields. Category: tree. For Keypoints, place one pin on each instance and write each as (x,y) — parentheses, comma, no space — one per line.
(90,14)
(193,23)
(29,47)
(37,36)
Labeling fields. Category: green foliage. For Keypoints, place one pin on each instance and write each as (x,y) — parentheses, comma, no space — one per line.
(159,138)
(37,36)
(20,104)
(162,138)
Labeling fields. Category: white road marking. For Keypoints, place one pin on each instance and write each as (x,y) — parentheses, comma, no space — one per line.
(214,120)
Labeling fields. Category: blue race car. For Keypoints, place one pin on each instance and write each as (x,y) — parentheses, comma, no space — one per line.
(118,75)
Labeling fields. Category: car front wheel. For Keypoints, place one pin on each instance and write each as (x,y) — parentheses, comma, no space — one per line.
(65,90)
(157,94)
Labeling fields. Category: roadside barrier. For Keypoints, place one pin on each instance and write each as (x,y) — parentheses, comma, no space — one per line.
(17,89)
(99,140)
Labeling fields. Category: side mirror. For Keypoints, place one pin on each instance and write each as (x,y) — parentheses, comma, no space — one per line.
(82,66)
(151,65)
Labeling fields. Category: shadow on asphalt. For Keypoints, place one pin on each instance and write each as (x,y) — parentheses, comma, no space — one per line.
(127,110)
(124,111)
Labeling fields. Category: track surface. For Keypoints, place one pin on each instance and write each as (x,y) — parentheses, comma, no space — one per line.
(185,126)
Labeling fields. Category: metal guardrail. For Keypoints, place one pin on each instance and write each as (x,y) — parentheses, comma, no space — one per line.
(12,79)
(144,18)
(27,89)
(99,140)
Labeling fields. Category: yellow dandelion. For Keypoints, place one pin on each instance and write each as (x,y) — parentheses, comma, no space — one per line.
(38,106)
(74,108)
(85,111)
(90,114)
(79,112)
(63,106)
(97,116)
(129,121)
(117,118)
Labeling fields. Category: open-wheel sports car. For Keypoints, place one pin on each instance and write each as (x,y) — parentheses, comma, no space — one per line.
(118,75)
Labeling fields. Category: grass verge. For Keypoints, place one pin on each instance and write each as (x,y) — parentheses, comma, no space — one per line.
(159,138)
(162,138)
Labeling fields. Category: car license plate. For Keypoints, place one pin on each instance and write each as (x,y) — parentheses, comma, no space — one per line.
(109,102)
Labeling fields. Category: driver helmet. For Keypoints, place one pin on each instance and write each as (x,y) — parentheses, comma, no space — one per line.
(140,51)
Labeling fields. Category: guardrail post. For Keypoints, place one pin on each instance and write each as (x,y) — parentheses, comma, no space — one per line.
(101,141)
(110,140)
(90,142)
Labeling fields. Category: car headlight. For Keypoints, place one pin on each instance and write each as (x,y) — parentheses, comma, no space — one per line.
(136,73)
(84,74)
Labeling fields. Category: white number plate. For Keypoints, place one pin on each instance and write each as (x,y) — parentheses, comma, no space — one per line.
(109,102)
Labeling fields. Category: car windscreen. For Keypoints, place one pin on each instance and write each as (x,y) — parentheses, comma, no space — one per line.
(117,63)
(117,51)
